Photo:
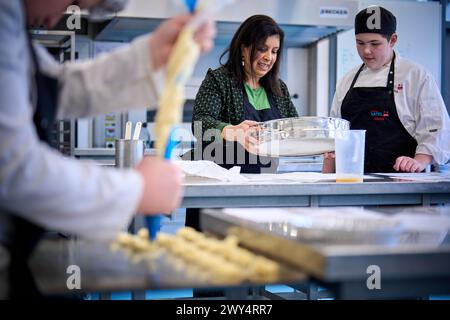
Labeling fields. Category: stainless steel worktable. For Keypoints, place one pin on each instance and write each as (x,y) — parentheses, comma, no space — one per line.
(209,193)
(411,263)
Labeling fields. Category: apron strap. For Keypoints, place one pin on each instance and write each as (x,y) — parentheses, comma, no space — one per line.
(391,76)
(356,77)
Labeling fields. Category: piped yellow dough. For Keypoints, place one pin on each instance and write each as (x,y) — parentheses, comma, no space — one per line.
(221,261)
(179,69)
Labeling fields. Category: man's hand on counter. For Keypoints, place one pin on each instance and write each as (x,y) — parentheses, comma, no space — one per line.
(162,186)
(416,164)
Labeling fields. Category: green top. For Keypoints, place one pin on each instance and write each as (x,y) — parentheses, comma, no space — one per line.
(257,97)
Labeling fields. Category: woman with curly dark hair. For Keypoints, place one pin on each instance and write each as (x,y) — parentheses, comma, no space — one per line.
(245,90)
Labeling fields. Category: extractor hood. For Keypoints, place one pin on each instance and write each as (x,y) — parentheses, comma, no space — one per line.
(304,21)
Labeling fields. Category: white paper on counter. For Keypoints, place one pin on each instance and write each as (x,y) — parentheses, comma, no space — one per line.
(294,177)
(209,169)
(422,176)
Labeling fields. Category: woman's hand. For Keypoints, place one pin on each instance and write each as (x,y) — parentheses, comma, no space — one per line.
(329,165)
(241,133)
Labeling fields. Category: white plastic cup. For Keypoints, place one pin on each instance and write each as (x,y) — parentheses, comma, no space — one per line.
(350,145)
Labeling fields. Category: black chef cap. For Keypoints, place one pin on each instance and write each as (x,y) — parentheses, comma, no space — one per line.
(375,19)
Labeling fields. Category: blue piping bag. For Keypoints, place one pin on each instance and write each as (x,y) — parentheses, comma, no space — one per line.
(153,223)
(191,5)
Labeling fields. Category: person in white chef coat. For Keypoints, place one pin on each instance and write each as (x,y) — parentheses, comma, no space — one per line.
(396,100)
(39,188)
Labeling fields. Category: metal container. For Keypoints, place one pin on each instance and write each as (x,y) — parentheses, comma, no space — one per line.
(299,136)
(129,153)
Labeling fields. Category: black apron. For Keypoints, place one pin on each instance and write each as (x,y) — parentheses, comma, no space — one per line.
(373,109)
(253,163)
(18,235)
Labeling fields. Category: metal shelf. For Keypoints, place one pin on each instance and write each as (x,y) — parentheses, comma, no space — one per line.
(62,42)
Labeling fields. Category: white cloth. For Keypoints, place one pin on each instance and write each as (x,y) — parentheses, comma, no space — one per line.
(419,103)
(209,169)
(36,182)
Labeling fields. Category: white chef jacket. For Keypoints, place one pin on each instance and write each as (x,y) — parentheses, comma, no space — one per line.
(419,104)
(36,182)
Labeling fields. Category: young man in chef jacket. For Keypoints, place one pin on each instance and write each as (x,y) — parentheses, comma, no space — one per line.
(396,100)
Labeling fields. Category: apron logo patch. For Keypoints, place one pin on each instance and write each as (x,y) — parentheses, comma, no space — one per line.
(398,88)
(378,115)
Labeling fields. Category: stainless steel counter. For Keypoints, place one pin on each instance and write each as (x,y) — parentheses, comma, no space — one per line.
(412,271)
(208,193)
(416,264)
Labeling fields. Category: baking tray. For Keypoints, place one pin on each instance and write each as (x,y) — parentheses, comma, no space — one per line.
(341,253)
(105,270)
